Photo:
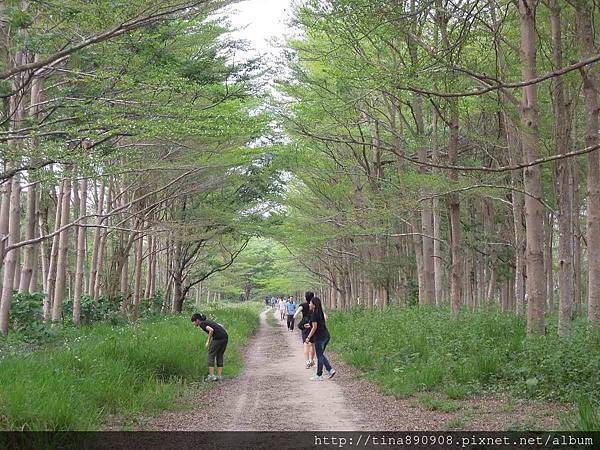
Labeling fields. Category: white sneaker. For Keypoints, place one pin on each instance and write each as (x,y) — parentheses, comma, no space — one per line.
(316,378)
(211,378)
(331,373)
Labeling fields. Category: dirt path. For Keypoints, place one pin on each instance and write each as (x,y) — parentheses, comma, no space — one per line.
(273,393)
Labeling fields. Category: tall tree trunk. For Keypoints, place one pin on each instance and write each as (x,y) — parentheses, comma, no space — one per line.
(96,244)
(418,245)
(549,260)
(137,288)
(437,245)
(10,257)
(51,283)
(454,217)
(80,259)
(63,247)
(534,219)
(564,188)
(588,48)
(29,250)
(576,224)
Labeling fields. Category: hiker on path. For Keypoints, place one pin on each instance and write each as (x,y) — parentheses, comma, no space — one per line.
(304,325)
(291,310)
(216,344)
(319,335)
(282,309)
(273,300)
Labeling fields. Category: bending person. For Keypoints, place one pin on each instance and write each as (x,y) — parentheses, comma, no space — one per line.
(216,344)
(304,325)
(320,336)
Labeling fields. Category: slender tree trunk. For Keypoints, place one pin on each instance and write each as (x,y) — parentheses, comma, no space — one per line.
(588,48)
(51,283)
(418,245)
(96,245)
(437,246)
(534,219)
(576,224)
(10,257)
(63,247)
(549,261)
(137,289)
(29,250)
(564,188)
(80,259)
(4,217)
(454,217)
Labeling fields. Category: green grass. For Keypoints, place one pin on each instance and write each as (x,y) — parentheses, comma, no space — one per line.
(411,350)
(431,403)
(271,318)
(456,423)
(107,371)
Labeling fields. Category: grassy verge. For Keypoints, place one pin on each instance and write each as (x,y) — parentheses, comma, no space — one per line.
(271,320)
(410,350)
(114,370)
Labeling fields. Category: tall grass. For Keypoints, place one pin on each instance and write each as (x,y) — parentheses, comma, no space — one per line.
(406,350)
(114,370)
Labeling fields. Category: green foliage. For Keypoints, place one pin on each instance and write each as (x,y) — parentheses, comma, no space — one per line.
(585,418)
(27,314)
(113,370)
(407,350)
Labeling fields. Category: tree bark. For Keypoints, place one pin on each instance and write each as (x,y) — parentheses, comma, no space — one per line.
(63,247)
(80,259)
(534,219)
(564,188)
(10,257)
(585,32)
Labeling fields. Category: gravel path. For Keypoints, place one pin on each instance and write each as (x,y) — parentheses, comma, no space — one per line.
(274,393)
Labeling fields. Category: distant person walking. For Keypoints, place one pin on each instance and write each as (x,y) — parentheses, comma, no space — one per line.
(304,325)
(282,309)
(273,301)
(216,344)
(320,336)
(291,310)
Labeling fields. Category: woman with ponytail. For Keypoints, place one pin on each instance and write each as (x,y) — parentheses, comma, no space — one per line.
(216,344)
(319,335)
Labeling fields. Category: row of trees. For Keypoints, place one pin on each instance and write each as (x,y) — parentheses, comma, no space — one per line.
(125,171)
(448,149)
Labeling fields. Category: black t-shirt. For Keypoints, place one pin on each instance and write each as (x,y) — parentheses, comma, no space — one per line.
(218,331)
(305,311)
(322,331)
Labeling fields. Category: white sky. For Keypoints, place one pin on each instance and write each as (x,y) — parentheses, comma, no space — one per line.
(261,22)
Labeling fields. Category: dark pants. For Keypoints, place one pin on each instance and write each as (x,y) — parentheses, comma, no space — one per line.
(216,351)
(321,358)
(290,322)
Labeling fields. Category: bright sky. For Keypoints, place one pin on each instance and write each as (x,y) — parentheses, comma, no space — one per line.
(261,22)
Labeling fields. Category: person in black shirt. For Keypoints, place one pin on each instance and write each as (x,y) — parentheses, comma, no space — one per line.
(216,344)
(320,336)
(304,325)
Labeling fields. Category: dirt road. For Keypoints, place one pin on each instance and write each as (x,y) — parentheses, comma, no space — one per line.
(273,393)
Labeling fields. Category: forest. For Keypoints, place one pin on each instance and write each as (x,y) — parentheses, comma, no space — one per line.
(432,162)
